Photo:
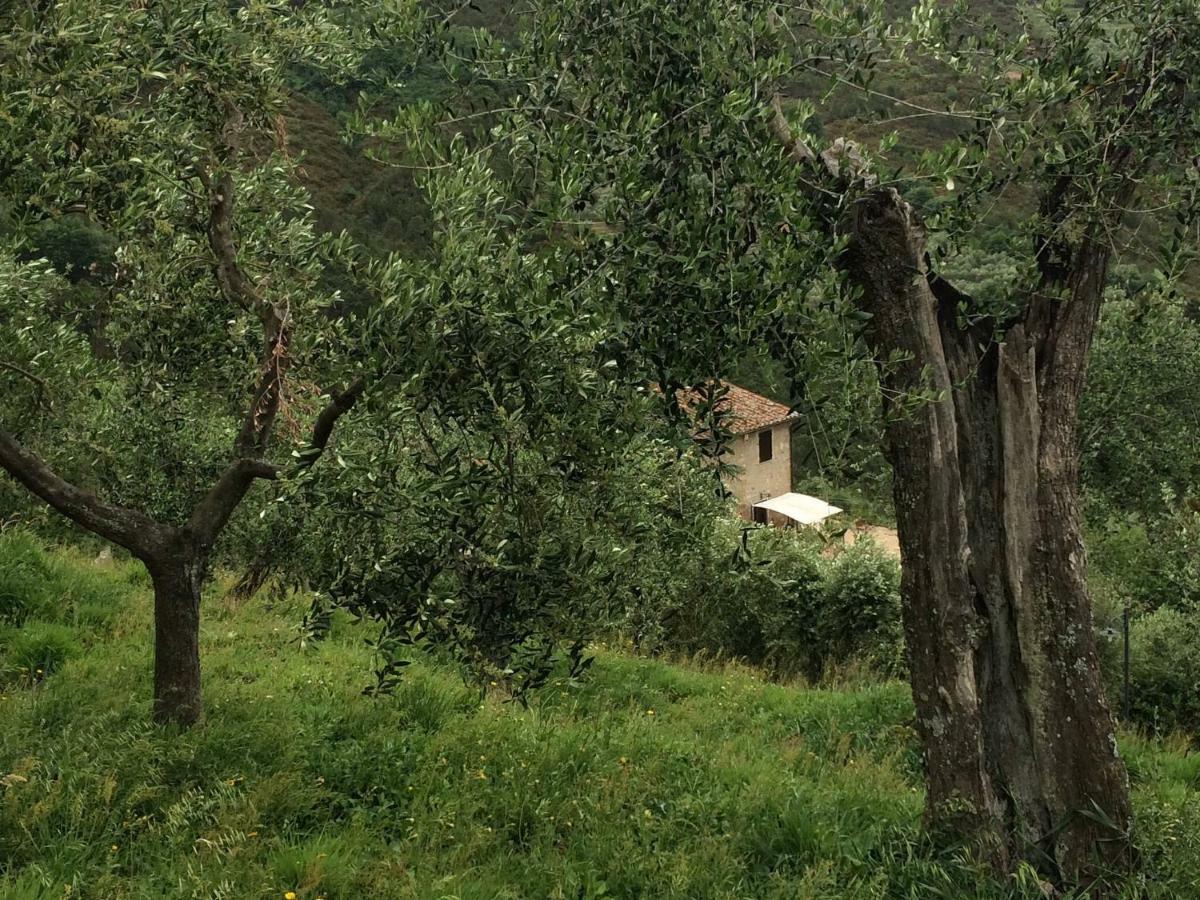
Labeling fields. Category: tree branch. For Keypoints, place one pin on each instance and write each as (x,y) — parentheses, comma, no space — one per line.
(339,405)
(212,513)
(136,532)
(797,149)
(255,433)
(841,161)
(39,383)
(241,291)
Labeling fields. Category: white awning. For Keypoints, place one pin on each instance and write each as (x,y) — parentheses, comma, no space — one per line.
(799,508)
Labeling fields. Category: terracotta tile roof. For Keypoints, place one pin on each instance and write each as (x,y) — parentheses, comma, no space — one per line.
(750,411)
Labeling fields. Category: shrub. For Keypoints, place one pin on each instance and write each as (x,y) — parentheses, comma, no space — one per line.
(1150,565)
(746,593)
(766,596)
(76,247)
(1165,670)
(1138,426)
(780,593)
(860,609)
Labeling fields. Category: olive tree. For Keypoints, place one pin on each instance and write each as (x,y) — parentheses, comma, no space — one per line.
(160,124)
(672,121)
(1086,110)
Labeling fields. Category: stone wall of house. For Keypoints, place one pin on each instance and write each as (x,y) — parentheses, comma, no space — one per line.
(761,480)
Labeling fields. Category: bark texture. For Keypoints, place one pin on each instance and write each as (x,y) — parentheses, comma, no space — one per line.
(1019,744)
(178,579)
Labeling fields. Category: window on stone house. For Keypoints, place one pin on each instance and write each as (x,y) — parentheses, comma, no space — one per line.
(765,450)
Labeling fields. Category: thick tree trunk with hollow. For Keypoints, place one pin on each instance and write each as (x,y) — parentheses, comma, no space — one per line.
(178,578)
(1018,741)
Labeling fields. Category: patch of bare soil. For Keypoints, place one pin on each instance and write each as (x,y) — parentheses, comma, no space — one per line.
(886,538)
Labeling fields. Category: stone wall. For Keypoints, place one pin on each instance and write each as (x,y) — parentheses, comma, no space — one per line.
(761,480)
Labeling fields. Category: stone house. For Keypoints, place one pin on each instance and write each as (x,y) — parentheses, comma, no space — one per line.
(761,451)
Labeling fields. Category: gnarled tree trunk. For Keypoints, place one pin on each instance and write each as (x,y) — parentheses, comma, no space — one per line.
(1018,741)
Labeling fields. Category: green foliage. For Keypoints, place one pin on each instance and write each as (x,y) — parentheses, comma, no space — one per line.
(51,604)
(859,615)
(1155,571)
(127,127)
(1124,563)
(988,276)
(688,782)
(1151,563)
(658,182)
(479,497)
(618,222)
(496,564)
(51,587)
(730,591)
(1165,670)
(771,598)
(584,244)
(25,587)
(379,205)
(1138,423)
(76,247)
(834,384)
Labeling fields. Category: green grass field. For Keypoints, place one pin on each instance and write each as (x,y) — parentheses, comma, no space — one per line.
(648,780)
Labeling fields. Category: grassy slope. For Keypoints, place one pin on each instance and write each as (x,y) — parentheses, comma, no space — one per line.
(650,780)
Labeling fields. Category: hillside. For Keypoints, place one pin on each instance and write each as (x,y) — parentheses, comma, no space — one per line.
(381,207)
(649,779)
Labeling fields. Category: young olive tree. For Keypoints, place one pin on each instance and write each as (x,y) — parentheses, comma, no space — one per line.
(160,124)
(523,468)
